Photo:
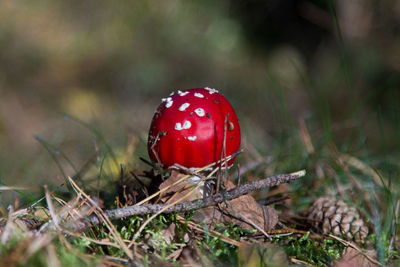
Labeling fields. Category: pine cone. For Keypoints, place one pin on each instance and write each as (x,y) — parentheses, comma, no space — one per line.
(330,215)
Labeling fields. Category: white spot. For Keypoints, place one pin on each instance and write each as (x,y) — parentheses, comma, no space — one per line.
(198,95)
(182,93)
(172,93)
(184,106)
(200,112)
(178,126)
(186,125)
(168,100)
(192,138)
(211,90)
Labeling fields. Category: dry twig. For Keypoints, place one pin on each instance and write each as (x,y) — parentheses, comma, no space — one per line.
(190,205)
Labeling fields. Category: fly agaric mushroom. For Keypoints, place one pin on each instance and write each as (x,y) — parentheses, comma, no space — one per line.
(189,127)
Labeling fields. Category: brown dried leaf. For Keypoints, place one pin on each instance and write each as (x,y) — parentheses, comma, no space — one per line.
(209,216)
(174,255)
(239,211)
(169,234)
(352,258)
(246,208)
(271,218)
(179,190)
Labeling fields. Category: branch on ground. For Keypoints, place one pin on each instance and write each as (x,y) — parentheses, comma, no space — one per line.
(213,200)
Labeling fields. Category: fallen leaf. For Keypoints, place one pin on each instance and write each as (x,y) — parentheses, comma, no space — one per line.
(178,191)
(353,258)
(244,211)
(174,255)
(239,211)
(169,234)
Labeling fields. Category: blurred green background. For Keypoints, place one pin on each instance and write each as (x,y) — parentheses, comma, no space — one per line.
(332,64)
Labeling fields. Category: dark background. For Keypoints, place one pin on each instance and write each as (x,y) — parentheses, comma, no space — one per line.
(332,64)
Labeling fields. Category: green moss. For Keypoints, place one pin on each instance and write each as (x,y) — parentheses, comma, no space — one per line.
(316,252)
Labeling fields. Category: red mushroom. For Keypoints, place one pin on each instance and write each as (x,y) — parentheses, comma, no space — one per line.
(189,126)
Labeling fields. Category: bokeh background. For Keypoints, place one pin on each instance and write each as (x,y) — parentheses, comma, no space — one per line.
(330,65)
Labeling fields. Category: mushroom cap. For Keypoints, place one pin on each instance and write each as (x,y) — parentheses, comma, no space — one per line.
(188,129)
